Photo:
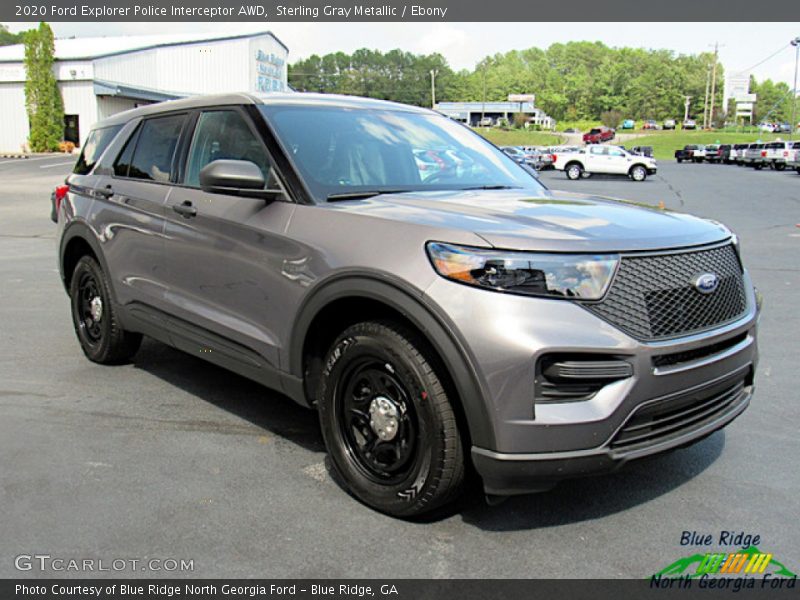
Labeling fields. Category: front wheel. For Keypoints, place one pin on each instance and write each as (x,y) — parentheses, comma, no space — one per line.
(638,173)
(388,422)
(574,171)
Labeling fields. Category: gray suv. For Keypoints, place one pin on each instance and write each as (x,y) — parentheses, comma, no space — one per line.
(442,311)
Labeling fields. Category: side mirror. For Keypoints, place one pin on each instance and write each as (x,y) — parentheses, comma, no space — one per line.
(235,177)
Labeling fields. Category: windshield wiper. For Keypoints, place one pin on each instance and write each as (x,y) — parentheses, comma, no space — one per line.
(493,187)
(362,195)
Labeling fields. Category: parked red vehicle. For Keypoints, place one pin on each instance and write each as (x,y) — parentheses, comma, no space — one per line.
(598,135)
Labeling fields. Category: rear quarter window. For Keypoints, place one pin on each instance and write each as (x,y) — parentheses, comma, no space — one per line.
(93,148)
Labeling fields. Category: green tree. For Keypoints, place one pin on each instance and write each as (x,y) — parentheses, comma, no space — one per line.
(773,100)
(7,38)
(42,96)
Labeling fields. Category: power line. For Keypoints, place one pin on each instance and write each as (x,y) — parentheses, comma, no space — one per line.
(761,62)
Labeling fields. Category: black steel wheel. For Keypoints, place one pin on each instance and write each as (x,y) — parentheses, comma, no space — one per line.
(387,420)
(377,420)
(94,317)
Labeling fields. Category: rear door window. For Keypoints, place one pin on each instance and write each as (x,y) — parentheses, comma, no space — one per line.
(92,150)
(153,150)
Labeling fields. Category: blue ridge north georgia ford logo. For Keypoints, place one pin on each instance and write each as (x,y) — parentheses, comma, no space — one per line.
(706,283)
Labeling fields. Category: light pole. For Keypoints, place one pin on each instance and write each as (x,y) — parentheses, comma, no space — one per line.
(796,43)
(434,73)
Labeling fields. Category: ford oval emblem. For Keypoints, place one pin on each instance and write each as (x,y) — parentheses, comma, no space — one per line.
(706,283)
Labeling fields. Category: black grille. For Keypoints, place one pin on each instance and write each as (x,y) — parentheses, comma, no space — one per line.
(654,297)
(676,358)
(670,417)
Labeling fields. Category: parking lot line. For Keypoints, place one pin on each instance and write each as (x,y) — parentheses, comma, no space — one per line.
(61,164)
(27,160)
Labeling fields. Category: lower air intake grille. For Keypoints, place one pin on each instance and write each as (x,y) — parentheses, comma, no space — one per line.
(666,418)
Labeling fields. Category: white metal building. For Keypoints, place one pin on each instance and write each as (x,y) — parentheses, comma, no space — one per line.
(102,76)
(472,113)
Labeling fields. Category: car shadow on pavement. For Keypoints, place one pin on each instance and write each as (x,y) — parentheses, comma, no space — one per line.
(590,498)
(265,408)
(569,502)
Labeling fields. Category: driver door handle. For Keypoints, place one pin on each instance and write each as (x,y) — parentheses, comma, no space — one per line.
(185,209)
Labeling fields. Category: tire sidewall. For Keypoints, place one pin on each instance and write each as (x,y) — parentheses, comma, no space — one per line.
(403,497)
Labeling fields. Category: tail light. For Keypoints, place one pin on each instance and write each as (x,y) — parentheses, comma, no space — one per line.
(785,154)
(553,157)
(60,194)
(763,154)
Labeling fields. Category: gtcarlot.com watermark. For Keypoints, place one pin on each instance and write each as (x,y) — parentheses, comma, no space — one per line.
(46,562)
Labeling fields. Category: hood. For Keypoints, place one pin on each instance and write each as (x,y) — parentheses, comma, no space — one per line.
(545,220)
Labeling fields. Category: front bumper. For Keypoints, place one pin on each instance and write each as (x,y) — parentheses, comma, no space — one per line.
(506,474)
(527,445)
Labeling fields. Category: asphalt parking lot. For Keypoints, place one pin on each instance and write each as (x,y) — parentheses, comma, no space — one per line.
(170,457)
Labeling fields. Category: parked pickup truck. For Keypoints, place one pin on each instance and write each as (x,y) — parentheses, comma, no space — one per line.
(794,160)
(598,135)
(774,155)
(690,152)
(609,160)
(752,156)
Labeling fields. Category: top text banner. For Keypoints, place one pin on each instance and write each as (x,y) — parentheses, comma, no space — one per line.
(605,12)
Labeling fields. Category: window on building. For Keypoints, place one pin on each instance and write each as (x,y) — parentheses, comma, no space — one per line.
(223,134)
(72,130)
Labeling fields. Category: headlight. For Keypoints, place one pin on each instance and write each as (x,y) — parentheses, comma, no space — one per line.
(581,276)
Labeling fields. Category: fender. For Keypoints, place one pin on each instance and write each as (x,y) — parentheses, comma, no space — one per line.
(80,229)
(425,316)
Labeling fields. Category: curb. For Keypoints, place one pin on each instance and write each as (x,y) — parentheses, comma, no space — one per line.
(15,155)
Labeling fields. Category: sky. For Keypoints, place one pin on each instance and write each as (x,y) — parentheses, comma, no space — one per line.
(742,45)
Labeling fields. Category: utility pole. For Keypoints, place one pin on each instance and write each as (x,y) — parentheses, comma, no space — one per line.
(483,108)
(686,105)
(434,73)
(713,85)
(796,44)
(705,102)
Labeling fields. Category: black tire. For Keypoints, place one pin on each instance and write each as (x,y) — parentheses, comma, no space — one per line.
(779,166)
(102,338)
(638,173)
(680,160)
(573,171)
(758,166)
(422,466)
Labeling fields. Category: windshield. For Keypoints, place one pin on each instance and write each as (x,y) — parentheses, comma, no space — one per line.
(341,151)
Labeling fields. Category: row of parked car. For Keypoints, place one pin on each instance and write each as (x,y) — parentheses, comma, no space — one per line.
(777,155)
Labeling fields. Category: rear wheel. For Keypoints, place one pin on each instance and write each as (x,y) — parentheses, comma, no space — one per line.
(388,422)
(94,317)
(779,166)
(574,171)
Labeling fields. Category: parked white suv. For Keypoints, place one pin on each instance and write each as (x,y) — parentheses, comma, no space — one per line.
(609,160)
